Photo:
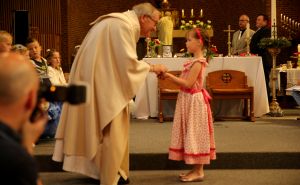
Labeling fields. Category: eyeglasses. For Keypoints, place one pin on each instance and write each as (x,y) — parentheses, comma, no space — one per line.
(155,21)
(243,20)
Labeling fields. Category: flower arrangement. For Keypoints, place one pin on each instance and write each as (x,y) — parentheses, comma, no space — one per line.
(152,44)
(198,24)
(211,52)
(274,43)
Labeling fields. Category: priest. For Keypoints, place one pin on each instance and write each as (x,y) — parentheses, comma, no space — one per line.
(239,42)
(92,139)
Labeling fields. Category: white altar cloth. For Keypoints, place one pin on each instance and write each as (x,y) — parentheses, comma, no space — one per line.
(146,99)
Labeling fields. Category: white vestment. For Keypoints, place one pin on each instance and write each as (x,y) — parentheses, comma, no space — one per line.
(239,44)
(107,61)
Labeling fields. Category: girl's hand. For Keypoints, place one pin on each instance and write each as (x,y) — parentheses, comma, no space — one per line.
(159,69)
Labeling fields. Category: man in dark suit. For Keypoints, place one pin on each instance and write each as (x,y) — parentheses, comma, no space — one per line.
(263,31)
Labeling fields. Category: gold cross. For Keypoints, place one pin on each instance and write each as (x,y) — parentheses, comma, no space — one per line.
(229,31)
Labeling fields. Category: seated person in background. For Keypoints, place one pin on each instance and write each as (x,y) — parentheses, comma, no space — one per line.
(239,44)
(55,71)
(38,61)
(17,133)
(296,94)
(5,42)
(56,77)
(41,66)
(19,48)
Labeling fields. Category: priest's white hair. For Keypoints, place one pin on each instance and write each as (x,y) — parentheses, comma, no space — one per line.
(144,9)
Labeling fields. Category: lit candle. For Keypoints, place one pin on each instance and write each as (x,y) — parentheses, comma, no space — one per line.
(284,18)
(281,17)
(248,31)
(192,12)
(182,13)
(201,13)
(287,20)
(293,24)
(290,21)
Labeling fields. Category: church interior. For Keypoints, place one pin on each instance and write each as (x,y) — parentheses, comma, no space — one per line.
(257,132)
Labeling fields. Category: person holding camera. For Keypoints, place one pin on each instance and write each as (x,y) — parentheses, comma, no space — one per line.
(17,133)
(92,139)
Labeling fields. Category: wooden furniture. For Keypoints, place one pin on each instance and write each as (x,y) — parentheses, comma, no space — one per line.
(231,84)
(146,101)
(167,90)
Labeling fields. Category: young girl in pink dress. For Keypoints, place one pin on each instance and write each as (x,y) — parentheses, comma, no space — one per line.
(192,133)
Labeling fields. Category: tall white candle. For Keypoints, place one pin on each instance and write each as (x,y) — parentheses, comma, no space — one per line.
(293,24)
(273,18)
(182,13)
(192,12)
(201,13)
(248,31)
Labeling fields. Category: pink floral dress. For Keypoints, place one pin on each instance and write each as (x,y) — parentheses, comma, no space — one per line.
(192,137)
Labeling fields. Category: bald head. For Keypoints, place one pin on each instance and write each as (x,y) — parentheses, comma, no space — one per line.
(17,77)
(243,21)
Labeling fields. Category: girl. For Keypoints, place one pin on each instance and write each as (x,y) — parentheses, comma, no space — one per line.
(55,72)
(192,133)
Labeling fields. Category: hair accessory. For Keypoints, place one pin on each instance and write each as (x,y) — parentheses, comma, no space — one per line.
(199,35)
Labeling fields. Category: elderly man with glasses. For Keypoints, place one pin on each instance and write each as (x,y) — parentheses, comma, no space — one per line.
(92,139)
(239,43)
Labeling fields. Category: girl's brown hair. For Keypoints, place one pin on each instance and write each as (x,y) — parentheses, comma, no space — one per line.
(50,53)
(201,34)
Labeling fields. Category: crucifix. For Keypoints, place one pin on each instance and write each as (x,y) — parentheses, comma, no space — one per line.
(274,31)
(229,31)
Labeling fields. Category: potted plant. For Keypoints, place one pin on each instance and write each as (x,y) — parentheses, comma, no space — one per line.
(274,45)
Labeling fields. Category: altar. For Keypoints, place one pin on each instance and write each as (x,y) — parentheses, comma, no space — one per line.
(146,104)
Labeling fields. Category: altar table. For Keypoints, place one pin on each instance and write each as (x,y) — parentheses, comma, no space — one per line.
(146,99)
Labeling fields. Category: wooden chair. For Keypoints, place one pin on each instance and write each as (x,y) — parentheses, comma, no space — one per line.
(167,90)
(230,84)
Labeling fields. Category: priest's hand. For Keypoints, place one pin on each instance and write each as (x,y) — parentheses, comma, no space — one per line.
(158,69)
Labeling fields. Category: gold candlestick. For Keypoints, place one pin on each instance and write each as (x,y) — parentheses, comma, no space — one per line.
(275,109)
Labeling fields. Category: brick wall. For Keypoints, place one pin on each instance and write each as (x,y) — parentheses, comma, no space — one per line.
(221,13)
(77,14)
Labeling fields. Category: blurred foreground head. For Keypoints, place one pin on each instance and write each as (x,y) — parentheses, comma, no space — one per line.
(18,88)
